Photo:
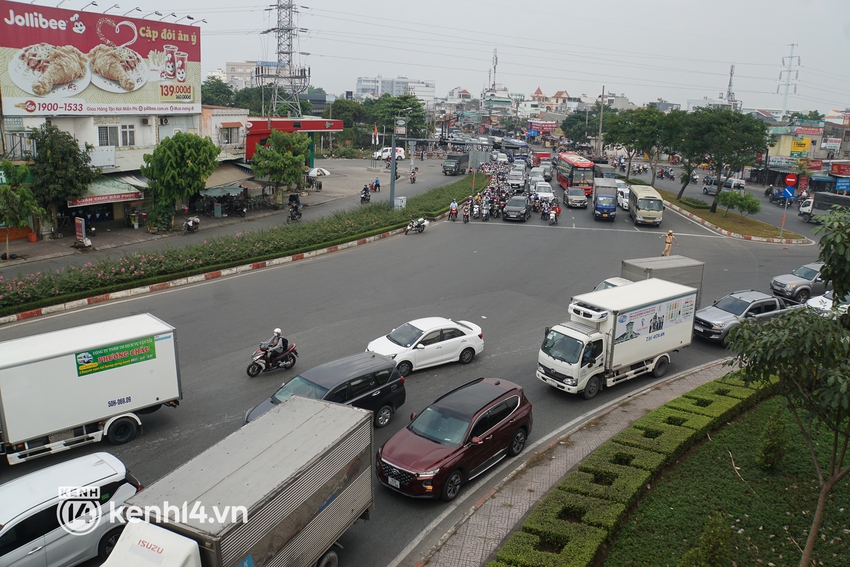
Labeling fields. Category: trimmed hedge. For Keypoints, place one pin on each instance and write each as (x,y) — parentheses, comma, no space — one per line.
(576,545)
(669,440)
(566,507)
(666,415)
(607,481)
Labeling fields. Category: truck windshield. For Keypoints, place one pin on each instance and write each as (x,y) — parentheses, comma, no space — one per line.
(805,273)
(650,205)
(606,201)
(732,305)
(561,347)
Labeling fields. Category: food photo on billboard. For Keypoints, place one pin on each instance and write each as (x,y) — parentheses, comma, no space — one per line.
(68,62)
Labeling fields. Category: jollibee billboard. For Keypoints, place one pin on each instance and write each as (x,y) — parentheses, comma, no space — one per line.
(67,62)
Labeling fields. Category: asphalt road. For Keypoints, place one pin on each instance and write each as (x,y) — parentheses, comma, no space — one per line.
(512,279)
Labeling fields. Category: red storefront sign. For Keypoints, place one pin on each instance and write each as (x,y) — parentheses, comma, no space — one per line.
(840,169)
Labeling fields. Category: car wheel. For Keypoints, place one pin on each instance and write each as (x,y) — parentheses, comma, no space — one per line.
(382,416)
(661,367)
(467,355)
(121,431)
(592,388)
(254,370)
(803,296)
(404,368)
(451,486)
(107,542)
(517,443)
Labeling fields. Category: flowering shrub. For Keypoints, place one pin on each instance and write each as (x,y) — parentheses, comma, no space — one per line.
(110,274)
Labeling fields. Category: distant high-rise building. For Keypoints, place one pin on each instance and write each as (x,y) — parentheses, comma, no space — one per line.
(424,90)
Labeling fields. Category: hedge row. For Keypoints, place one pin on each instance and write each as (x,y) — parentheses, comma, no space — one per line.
(572,523)
(110,274)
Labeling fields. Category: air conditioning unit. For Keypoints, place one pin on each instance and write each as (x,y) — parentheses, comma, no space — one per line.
(145,121)
(163,121)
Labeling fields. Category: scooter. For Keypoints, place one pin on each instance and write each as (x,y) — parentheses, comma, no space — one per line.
(375,187)
(466,215)
(261,360)
(191,224)
(476,211)
(413,177)
(416,225)
(485,215)
(365,196)
(294,215)
(453,215)
(553,216)
(769,191)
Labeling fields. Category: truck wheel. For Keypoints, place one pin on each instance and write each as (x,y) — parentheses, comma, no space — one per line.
(451,486)
(803,296)
(592,388)
(107,543)
(329,559)
(661,367)
(121,431)
(382,416)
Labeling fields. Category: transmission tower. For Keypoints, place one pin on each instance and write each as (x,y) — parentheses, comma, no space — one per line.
(787,72)
(730,96)
(290,78)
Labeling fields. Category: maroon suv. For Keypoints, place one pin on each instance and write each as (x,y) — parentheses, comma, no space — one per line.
(455,439)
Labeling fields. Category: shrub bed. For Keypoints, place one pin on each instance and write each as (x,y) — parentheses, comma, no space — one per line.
(108,275)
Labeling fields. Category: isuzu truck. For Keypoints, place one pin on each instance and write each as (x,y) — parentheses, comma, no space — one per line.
(616,334)
(76,386)
(278,492)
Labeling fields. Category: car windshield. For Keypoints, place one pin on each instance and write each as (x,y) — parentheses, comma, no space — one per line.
(561,347)
(732,305)
(405,335)
(650,205)
(576,192)
(805,273)
(299,386)
(517,202)
(606,201)
(440,426)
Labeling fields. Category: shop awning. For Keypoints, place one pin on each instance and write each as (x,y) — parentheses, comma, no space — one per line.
(232,125)
(227,174)
(826,178)
(221,191)
(108,189)
(136,180)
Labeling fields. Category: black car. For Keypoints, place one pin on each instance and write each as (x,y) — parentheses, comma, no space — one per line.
(517,208)
(364,380)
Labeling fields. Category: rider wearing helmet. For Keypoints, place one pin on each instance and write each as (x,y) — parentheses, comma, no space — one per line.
(277,346)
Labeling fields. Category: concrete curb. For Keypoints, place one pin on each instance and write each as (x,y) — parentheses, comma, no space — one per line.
(716,228)
(605,410)
(191,279)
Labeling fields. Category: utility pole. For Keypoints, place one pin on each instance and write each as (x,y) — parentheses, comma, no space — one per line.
(290,80)
(787,72)
(601,114)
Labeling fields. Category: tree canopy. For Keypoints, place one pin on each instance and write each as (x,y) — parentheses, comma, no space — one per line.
(178,168)
(61,169)
(17,203)
(216,92)
(282,160)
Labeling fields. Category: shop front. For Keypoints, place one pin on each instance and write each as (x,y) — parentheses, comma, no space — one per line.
(109,202)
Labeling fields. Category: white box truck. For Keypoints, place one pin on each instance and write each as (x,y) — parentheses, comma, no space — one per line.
(678,269)
(76,386)
(617,334)
(279,491)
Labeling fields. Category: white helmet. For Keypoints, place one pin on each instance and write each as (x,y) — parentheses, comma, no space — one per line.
(277,331)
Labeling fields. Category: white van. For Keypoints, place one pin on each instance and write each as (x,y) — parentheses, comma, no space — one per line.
(622,194)
(30,532)
(384,153)
(710,185)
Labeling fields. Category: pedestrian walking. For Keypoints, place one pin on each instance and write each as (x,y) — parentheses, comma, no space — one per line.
(668,242)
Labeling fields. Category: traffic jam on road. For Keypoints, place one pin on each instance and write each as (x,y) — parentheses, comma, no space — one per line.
(106,378)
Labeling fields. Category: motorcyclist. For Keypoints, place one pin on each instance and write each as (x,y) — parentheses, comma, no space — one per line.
(377,184)
(364,193)
(276,347)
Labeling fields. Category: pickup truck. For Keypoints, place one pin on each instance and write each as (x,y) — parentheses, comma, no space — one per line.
(800,284)
(715,322)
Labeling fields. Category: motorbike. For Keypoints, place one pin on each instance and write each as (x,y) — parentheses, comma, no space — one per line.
(544,213)
(476,211)
(413,177)
(485,215)
(466,215)
(416,225)
(375,187)
(261,360)
(553,216)
(236,209)
(191,224)
(294,215)
(365,196)
(453,215)
(769,191)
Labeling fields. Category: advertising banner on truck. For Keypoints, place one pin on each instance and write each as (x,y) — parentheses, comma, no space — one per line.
(73,63)
(115,356)
(653,321)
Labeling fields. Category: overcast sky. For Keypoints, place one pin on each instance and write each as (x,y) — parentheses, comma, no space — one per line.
(675,50)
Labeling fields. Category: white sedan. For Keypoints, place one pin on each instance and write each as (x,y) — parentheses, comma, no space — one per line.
(422,343)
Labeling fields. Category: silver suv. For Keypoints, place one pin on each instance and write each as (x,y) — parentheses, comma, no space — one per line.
(800,284)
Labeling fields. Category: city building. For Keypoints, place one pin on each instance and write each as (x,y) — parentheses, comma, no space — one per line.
(664,106)
(424,90)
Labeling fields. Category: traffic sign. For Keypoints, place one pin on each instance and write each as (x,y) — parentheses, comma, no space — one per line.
(790,179)
(842,184)
(788,192)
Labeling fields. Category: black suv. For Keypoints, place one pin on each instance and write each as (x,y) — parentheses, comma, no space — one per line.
(365,380)
(517,208)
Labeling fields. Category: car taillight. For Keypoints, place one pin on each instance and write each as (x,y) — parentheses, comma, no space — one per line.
(402,379)
(133,481)
(481,336)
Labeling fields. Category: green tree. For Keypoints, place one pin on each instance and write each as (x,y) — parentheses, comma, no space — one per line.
(178,168)
(579,126)
(729,139)
(216,92)
(61,170)
(17,203)
(282,160)
(678,134)
(808,356)
(624,131)
(811,115)
(349,111)
(316,90)
(383,110)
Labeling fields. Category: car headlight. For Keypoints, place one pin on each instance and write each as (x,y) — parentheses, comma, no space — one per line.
(791,286)
(392,356)
(570,381)
(428,473)
(718,325)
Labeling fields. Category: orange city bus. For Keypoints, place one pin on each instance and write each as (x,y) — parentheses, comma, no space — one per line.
(574,170)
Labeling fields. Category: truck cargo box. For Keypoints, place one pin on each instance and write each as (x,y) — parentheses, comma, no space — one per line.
(678,269)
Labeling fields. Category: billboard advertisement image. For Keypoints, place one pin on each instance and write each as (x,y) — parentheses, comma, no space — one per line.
(67,62)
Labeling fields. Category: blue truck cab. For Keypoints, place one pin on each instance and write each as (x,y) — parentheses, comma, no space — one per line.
(604,199)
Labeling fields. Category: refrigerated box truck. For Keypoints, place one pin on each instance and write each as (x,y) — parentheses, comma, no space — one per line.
(616,334)
(279,491)
(678,269)
(77,386)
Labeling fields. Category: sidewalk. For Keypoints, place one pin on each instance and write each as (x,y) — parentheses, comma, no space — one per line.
(474,540)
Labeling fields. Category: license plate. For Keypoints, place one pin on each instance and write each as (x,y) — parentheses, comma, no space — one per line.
(552,382)
(604,215)
(392,482)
